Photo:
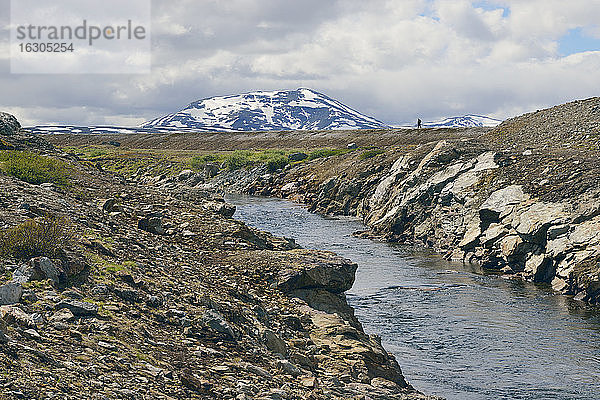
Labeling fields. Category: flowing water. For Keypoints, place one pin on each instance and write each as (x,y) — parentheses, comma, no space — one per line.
(455,331)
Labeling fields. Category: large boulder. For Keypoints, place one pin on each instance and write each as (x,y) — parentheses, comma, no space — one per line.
(10,293)
(332,273)
(501,203)
(8,124)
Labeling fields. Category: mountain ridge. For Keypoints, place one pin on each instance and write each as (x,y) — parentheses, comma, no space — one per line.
(300,109)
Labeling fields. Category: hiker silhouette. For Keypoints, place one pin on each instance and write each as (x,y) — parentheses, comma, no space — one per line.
(419,123)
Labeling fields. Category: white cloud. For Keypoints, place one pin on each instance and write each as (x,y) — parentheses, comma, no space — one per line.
(394,60)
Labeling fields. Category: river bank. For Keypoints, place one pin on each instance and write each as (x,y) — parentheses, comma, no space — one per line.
(133,290)
(461,332)
(522,199)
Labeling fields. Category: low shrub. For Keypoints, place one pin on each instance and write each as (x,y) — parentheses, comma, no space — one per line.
(198,162)
(43,237)
(371,153)
(33,168)
(277,162)
(238,159)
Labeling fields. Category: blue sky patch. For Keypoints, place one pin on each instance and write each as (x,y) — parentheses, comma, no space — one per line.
(576,41)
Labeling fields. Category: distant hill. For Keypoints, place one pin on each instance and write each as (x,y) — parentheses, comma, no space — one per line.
(301,109)
(466,121)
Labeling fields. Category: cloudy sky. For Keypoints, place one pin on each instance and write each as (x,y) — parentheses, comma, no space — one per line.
(395,60)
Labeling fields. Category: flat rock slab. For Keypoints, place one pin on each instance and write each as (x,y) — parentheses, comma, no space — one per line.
(78,308)
(334,274)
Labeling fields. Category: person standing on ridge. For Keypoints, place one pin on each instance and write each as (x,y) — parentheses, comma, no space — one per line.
(419,123)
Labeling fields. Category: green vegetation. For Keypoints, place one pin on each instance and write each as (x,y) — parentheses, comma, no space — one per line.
(371,153)
(199,162)
(33,168)
(234,160)
(33,238)
(135,162)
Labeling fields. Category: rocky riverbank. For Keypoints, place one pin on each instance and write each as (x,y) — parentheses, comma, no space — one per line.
(111,288)
(522,199)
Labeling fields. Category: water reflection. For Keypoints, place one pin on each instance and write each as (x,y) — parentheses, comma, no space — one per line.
(456,331)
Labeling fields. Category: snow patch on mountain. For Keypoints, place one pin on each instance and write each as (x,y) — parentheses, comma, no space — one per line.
(301,109)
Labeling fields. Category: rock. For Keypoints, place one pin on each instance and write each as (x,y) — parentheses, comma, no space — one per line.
(78,308)
(297,156)
(100,290)
(211,170)
(558,247)
(309,381)
(225,209)
(32,334)
(185,175)
(333,273)
(29,296)
(154,301)
(3,338)
(493,233)
(555,231)
(126,294)
(8,125)
(221,369)
(215,321)
(253,369)
(12,315)
(581,296)
(290,187)
(152,224)
(193,382)
(586,233)
(538,266)
(535,221)
(472,234)
(10,293)
(274,343)
(501,203)
(511,245)
(63,315)
(108,205)
(507,270)
(559,284)
(43,268)
(288,368)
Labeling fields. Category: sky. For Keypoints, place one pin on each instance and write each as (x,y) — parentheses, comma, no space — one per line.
(395,60)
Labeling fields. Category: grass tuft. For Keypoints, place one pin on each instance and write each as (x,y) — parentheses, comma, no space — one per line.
(371,153)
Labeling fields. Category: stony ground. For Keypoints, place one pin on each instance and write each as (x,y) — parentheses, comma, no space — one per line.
(155,292)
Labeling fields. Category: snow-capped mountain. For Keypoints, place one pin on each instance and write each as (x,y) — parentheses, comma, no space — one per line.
(302,109)
(465,121)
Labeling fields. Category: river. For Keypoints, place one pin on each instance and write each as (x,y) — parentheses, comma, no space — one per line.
(456,331)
